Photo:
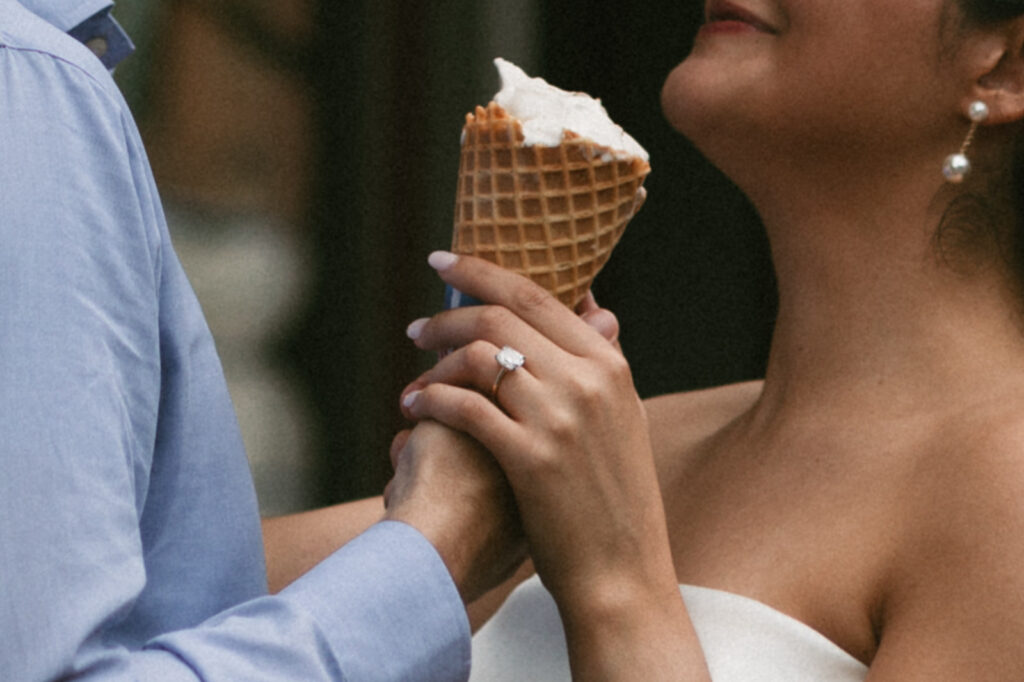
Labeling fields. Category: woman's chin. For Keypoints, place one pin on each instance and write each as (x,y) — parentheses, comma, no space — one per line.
(690,114)
(720,119)
(677,98)
(694,100)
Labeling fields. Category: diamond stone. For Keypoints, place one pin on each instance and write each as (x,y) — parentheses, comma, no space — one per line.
(510,359)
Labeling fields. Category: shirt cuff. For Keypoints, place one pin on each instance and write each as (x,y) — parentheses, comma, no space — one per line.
(389,608)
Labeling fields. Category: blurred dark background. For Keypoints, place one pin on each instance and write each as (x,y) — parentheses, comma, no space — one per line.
(307,151)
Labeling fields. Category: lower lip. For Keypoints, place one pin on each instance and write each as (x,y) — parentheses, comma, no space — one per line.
(728,27)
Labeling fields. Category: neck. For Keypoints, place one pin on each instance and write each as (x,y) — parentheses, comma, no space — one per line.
(871,317)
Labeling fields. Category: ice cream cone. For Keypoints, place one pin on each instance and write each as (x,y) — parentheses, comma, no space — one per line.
(552,213)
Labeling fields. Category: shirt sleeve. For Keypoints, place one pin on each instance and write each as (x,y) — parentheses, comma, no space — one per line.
(381,608)
(80,270)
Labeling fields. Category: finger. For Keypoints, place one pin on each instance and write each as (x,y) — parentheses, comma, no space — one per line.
(510,390)
(497,325)
(587,305)
(604,321)
(397,444)
(473,366)
(471,413)
(493,284)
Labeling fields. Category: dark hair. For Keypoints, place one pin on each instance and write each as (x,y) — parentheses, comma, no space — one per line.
(973,219)
(988,11)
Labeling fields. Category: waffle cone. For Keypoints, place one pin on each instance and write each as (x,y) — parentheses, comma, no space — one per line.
(553,214)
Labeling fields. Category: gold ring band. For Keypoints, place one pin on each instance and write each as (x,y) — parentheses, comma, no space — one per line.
(497,380)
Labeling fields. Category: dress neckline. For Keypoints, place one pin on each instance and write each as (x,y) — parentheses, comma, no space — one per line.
(783,620)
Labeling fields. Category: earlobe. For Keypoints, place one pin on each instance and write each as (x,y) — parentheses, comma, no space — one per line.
(1001,86)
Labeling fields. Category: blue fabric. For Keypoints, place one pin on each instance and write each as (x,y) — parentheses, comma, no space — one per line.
(453,298)
(103,27)
(66,14)
(86,20)
(130,543)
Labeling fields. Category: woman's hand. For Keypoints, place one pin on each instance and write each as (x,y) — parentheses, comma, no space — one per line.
(571,435)
(567,428)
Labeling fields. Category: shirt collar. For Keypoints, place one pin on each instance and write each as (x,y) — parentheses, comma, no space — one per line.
(88,21)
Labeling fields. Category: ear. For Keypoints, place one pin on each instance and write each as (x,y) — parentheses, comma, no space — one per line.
(1000,73)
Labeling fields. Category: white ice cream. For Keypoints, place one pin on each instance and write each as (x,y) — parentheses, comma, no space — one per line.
(546,112)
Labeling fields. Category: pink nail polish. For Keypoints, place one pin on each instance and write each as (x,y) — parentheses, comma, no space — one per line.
(414,330)
(442,260)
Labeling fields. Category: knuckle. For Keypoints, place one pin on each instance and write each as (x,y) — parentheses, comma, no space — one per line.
(477,353)
(596,384)
(468,408)
(538,461)
(402,441)
(529,296)
(562,424)
(548,460)
(492,319)
(618,368)
(587,387)
(478,361)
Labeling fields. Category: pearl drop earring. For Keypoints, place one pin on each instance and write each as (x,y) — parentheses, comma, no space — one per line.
(957,165)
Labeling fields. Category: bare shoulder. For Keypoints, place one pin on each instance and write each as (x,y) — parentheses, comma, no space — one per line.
(954,607)
(680,420)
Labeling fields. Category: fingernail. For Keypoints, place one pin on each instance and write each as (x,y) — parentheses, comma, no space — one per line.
(408,400)
(414,330)
(442,260)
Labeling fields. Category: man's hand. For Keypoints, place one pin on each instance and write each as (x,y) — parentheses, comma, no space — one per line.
(453,492)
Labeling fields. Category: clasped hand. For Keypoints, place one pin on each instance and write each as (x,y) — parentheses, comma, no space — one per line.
(568,428)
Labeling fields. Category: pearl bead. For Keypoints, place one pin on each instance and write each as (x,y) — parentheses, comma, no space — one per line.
(956,167)
(978,111)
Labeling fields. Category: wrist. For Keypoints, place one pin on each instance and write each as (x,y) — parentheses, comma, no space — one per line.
(434,530)
(629,630)
(478,555)
(614,571)
(614,598)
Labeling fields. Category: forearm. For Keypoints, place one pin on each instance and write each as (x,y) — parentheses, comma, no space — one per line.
(382,607)
(296,543)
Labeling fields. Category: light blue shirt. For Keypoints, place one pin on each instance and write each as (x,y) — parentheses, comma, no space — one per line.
(130,544)
(87,21)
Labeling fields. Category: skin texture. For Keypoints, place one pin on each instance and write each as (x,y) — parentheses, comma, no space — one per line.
(870,485)
(453,492)
(446,487)
(295,543)
(588,497)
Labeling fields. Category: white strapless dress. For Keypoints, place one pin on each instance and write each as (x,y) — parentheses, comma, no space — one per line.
(743,641)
